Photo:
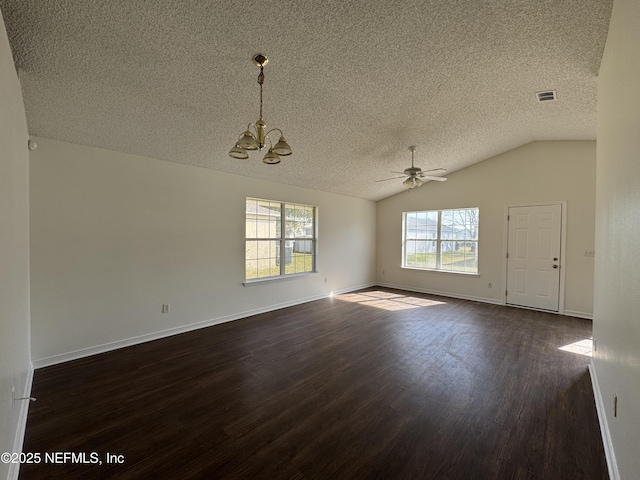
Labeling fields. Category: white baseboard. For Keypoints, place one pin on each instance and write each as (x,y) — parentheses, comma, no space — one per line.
(585,315)
(492,301)
(614,474)
(107,347)
(18,441)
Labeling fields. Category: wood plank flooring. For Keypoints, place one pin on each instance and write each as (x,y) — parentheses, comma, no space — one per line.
(376,384)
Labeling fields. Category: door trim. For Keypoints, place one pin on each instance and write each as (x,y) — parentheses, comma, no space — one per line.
(563,250)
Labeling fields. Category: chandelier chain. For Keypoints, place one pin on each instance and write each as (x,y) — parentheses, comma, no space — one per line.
(261,81)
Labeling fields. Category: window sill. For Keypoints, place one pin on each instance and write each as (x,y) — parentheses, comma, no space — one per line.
(292,276)
(468,274)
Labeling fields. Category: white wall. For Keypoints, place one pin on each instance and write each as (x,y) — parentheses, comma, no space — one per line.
(537,172)
(616,325)
(14,256)
(114,236)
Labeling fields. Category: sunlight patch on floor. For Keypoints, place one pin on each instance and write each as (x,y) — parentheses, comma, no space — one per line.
(387,301)
(582,347)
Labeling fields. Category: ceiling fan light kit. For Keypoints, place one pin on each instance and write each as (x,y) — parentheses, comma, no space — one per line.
(412,182)
(415,176)
(257,139)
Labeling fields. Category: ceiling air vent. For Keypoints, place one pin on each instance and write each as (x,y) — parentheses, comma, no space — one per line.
(548,96)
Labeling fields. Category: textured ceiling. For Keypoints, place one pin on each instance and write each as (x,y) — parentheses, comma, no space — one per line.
(351,83)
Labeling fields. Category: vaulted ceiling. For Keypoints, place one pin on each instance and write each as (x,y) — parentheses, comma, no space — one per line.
(351,83)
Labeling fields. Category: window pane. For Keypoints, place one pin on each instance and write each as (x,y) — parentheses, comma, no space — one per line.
(300,254)
(251,250)
(473,217)
(290,213)
(465,224)
(251,219)
(446,229)
(411,223)
(419,259)
(458,229)
(251,269)
(262,259)
(446,258)
(457,239)
(300,263)
(458,218)
(471,258)
(420,254)
(447,217)
(459,256)
(266,255)
(465,259)
(304,214)
(299,221)
(427,254)
(410,254)
(421,225)
(301,229)
(262,219)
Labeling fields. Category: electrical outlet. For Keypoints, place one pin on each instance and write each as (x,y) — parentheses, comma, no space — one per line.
(165,308)
(490,285)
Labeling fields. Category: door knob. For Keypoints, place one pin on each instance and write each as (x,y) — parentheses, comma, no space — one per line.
(555,266)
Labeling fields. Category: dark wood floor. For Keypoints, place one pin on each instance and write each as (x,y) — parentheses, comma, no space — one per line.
(372,385)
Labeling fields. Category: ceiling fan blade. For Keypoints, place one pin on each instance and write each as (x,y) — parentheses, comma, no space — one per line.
(415,176)
(392,178)
(435,171)
(431,177)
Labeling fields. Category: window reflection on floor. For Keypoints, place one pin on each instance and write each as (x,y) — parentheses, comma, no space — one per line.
(582,347)
(387,300)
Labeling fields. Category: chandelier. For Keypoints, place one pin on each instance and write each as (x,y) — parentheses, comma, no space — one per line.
(257,139)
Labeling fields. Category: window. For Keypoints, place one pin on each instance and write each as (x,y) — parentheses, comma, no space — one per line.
(445,240)
(280,239)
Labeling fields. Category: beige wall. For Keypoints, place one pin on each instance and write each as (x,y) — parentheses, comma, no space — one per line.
(537,172)
(114,236)
(616,325)
(15,353)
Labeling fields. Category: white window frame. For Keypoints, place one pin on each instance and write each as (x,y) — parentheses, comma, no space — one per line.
(438,240)
(283,239)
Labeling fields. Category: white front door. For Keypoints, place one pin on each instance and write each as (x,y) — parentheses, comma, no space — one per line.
(533,256)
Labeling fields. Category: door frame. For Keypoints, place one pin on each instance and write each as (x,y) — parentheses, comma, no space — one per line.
(563,251)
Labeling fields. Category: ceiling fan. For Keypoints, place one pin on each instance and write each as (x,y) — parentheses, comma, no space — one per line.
(415,175)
